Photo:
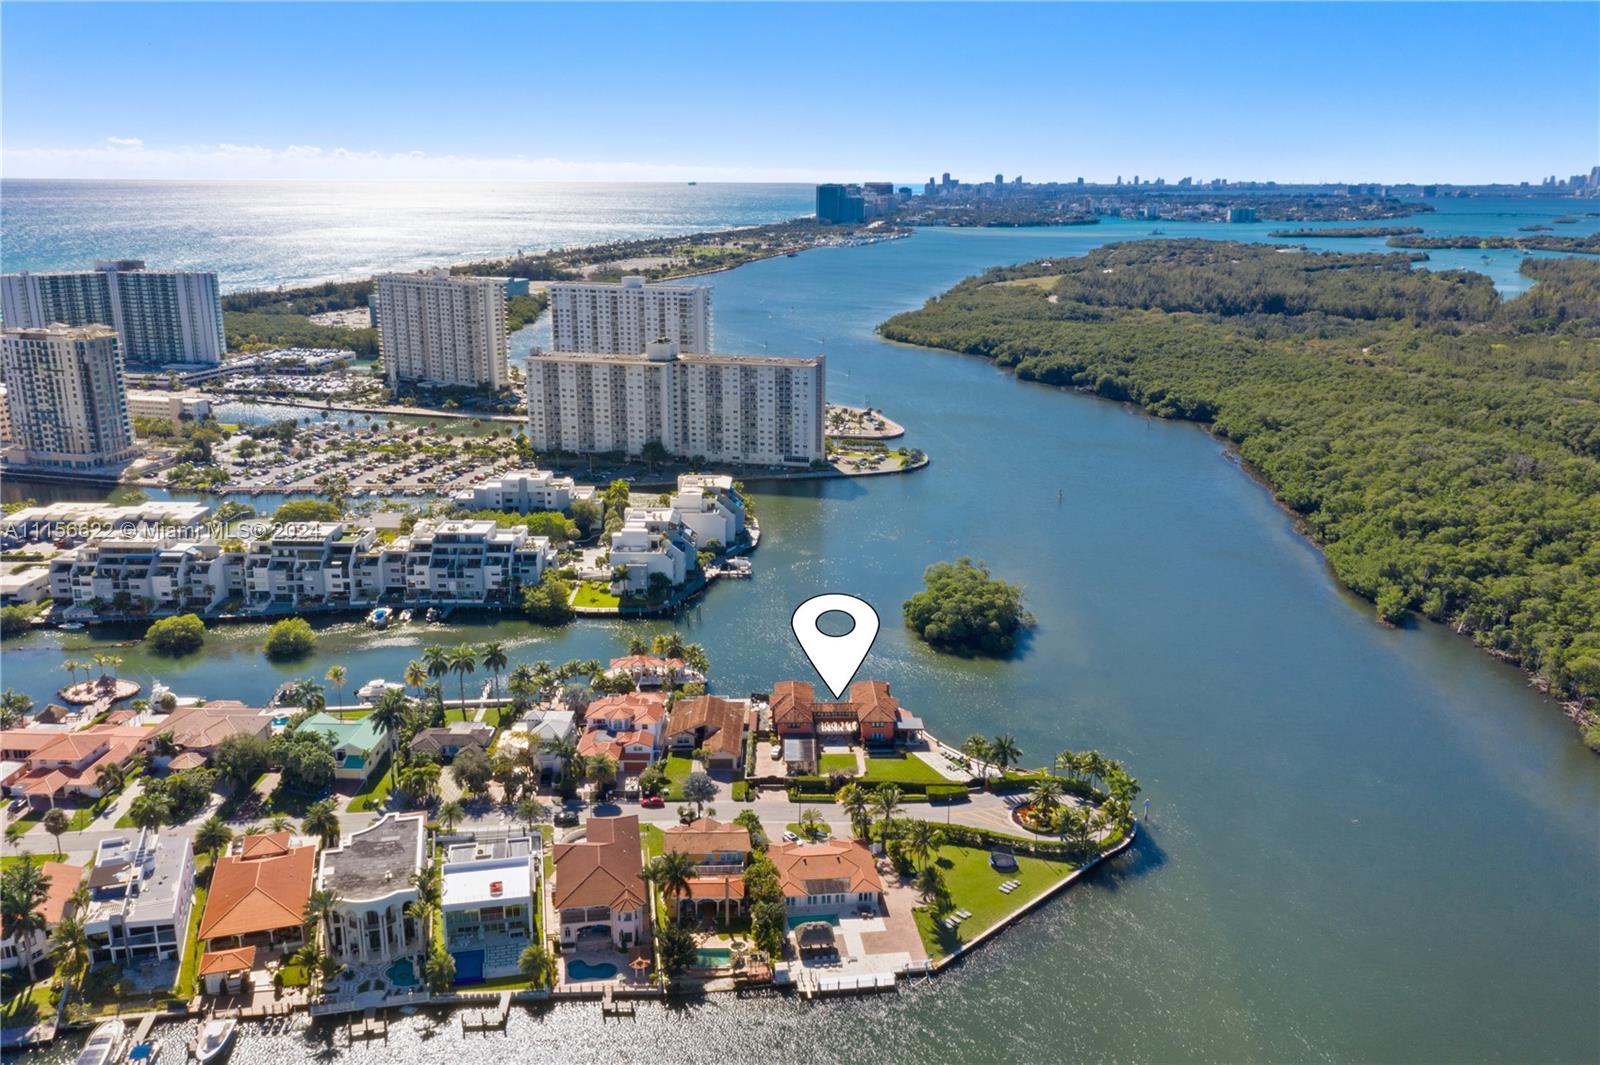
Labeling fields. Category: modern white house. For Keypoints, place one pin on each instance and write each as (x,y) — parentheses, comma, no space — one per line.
(710,507)
(370,874)
(538,728)
(622,318)
(67,398)
(652,541)
(526,492)
(491,886)
(141,890)
(442,328)
(719,408)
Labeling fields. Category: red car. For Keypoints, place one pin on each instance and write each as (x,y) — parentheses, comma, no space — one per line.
(652,802)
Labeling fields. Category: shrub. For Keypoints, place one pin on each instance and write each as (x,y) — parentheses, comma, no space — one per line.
(290,638)
(963,609)
(946,792)
(178,635)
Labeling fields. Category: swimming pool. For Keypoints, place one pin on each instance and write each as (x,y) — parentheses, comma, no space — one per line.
(582,970)
(713,957)
(825,918)
(469,966)
(402,973)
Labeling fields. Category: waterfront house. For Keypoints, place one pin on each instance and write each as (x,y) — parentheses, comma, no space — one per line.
(597,890)
(712,725)
(869,714)
(444,743)
(141,891)
(539,727)
(62,766)
(15,950)
(720,850)
(526,492)
(200,730)
(710,506)
(358,745)
(371,876)
(651,671)
(490,891)
(626,728)
(838,876)
(258,895)
(652,542)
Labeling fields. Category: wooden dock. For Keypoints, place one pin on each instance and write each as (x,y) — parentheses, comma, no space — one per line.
(611,1006)
(371,1026)
(488,1020)
(142,1032)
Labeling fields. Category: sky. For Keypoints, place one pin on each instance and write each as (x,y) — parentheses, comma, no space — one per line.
(1465,93)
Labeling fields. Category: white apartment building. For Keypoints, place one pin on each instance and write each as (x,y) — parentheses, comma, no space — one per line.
(163,317)
(444,329)
(527,492)
(145,571)
(140,889)
(67,397)
(471,561)
(710,507)
(716,408)
(623,319)
(652,540)
(304,565)
(172,406)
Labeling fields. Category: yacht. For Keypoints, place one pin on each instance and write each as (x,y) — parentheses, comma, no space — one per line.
(214,1039)
(379,618)
(103,1044)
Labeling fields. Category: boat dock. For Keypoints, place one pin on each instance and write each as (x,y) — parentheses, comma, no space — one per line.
(488,1020)
(371,1026)
(611,1006)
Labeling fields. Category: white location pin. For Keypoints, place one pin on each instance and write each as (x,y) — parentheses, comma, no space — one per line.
(835,658)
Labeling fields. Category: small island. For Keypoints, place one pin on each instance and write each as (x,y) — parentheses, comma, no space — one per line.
(1356,231)
(964,610)
(1589,245)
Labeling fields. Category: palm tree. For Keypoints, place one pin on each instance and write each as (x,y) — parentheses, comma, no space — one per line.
(323,822)
(463,660)
(857,804)
(1004,752)
(977,748)
(1067,762)
(565,752)
(213,836)
(279,823)
(69,949)
(600,769)
(321,905)
(416,675)
(1047,792)
(493,657)
(335,677)
(450,813)
(149,811)
(388,714)
(921,839)
(56,822)
(21,904)
(671,873)
(537,966)
(523,684)
(72,665)
(436,660)
(109,778)
(812,826)
(886,801)
(638,645)
(530,811)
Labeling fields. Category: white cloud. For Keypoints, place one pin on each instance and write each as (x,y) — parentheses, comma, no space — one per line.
(131,158)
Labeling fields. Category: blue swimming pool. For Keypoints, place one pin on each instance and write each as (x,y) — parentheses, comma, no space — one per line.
(808,918)
(469,966)
(582,970)
(402,973)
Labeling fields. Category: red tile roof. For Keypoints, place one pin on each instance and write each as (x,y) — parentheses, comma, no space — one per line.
(64,880)
(705,836)
(258,893)
(602,870)
(802,866)
(721,719)
(237,960)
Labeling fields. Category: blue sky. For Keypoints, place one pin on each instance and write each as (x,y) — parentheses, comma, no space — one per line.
(1434,92)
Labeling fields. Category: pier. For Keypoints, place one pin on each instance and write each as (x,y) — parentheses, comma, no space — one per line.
(611,1006)
(488,1020)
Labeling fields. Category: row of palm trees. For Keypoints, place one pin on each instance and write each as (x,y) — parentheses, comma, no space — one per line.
(1001,752)
(107,664)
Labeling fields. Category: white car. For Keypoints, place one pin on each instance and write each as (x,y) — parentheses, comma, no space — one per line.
(790,837)
(777,751)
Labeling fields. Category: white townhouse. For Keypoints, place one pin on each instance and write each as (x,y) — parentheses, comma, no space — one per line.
(141,889)
(527,492)
(710,507)
(148,572)
(652,541)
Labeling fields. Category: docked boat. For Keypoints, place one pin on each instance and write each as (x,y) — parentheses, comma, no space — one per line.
(405,616)
(103,1044)
(380,617)
(71,626)
(373,689)
(214,1039)
(431,616)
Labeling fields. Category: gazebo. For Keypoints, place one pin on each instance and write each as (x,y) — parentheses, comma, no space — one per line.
(816,940)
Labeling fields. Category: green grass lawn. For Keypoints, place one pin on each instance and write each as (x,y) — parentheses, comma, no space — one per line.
(678,768)
(901,769)
(295,976)
(830,764)
(593,594)
(187,973)
(28,1006)
(652,840)
(799,830)
(975,886)
(375,789)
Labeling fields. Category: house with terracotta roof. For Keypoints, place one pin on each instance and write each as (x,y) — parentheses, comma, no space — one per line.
(652,671)
(712,725)
(625,727)
(445,742)
(371,875)
(258,895)
(832,877)
(200,730)
(870,715)
(15,950)
(596,888)
(62,766)
(720,850)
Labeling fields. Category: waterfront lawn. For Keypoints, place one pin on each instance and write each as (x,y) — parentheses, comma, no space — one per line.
(295,976)
(375,789)
(594,594)
(830,764)
(901,769)
(29,1005)
(975,886)
(184,990)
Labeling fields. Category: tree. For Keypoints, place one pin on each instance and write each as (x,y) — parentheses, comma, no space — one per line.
(109,778)
(213,836)
(416,675)
(306,760)
(671,873)
(886,802)
(336,677)
(752,824)
(463,660)
(56,822)
(306,511)
(420,782)
(962,608)
(436,660)
(699,789)
(1047,792)
(930,880)
(565,752)
(290,638)
(320,907)
(450,814)
(676,943)
(149,811)
(322,821)
(23,891)
(69,949)
(1004,752)
(387,715)
(857,804)
(812,826)
(472,770)
(537,966)
(179,635)
(921,840)
(242,758)
(14,707)
(600,770)
(439,969)
(549,601)
(493,656)
(977,748)
(530,811)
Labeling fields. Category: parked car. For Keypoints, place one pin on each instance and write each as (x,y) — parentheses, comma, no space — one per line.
(790,837)
(652,802)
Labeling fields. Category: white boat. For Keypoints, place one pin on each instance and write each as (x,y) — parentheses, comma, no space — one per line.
(71,626)
(374,688)
(214,1039)
(379,618)
(103,1044)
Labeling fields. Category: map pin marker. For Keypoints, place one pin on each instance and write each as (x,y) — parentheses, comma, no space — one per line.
(835,658)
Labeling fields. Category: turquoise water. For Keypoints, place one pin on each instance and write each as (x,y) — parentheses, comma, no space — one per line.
(402,973)
(825,918)
(1366,843)
(582,970)
(713,957)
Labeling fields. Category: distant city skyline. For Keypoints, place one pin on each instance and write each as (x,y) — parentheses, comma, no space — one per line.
(1472,93)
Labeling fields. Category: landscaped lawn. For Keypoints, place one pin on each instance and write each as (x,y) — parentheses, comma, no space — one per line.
(185,987)
(798,829)
(295,976)
(975,886)
(678,768)
(592,594)
(830,764)
(375,789)
(28,1005)
(901,769)
(653,840)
